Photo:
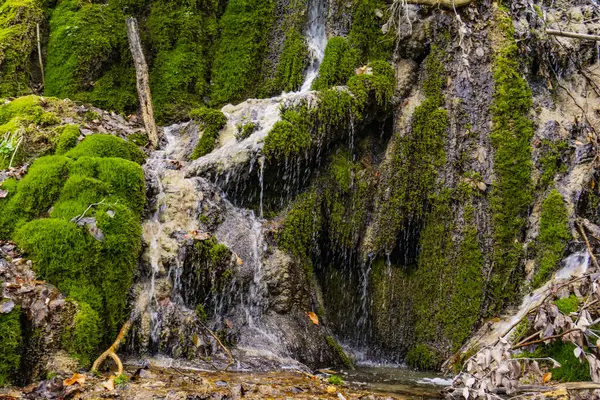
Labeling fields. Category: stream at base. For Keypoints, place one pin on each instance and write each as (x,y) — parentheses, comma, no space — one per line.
(397,380)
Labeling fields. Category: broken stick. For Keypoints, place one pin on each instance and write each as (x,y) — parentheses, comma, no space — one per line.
(142,81)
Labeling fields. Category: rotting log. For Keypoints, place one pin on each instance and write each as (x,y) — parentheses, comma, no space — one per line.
(142,81)
(573,35)
(448,4)
(112,350)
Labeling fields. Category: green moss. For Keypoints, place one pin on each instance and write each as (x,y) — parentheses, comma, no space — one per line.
(340,353)
(291,136)
(180,71)
(90,61)
(365,35)
(139,139)
(380,84)
(422,357)
(337,66)
(567,305)
(18,20)
(245,130)
(289,74)
(201,313)
(335,380)
(35,193)
(417,158)
(553,236)
(211,122)
(301,226)
(67,139)
(107,146)
(121,380)
(511,194)
(245,27)
(551,160)
(11,342)
(83,339)
(571,370)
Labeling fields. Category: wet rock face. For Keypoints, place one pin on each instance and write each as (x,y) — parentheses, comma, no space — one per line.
(45,316)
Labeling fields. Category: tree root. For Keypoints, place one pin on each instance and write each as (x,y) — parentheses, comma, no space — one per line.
(112,350)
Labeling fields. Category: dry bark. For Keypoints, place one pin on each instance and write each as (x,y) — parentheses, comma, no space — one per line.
(142,81)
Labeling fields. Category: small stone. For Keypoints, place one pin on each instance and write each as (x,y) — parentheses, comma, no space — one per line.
(221,383)
(479,52)
(6,307)
(481,186)
(146,374)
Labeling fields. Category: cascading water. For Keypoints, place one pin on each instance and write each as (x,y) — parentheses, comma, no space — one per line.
(316,35)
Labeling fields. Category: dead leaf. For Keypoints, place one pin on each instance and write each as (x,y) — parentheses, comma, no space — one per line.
(547,377)
(313,317)
(76,378)
(3,193)
(331,389)
(228,323)
(109,385)
(239,261)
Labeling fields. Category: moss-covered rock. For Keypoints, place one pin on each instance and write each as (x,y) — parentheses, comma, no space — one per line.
(365,34)
(67,139)
(338,64)
(180,35)
(78,218)
(553,237)
(211,122)
(89,60)
(417,159)
(289,74)
(511,196)
(18,21)
(11,343)
(107,146)
(237,67)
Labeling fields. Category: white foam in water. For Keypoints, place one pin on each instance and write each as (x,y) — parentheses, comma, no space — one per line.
(435,381)
(317,41)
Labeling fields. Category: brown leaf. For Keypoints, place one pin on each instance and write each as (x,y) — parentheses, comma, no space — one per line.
(547,377)
(331,389)
(109,384)
(228,323)
(313,317)
(76,378)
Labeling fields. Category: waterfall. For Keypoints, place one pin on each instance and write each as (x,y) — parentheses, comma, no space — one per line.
(316,35)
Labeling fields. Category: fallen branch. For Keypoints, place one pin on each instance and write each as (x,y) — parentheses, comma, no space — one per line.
(143,81)
(79,217)
(573,35)
(545,339)
(225,349)
(448,4)
(112,350)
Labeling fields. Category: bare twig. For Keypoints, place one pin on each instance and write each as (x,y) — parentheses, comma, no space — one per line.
(587,243)
(225,349)
(573,35)
(545,339)
(79,217)
(39,48)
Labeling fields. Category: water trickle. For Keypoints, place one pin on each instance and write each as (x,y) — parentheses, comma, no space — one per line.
(316,35)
